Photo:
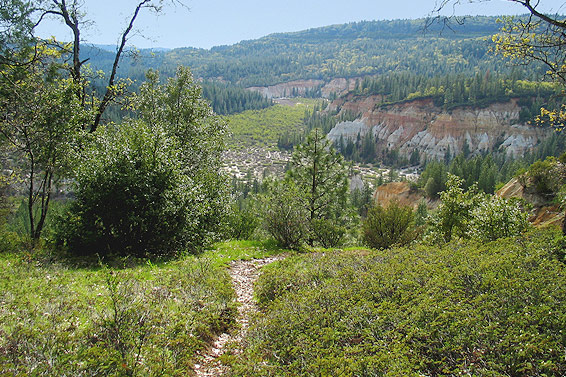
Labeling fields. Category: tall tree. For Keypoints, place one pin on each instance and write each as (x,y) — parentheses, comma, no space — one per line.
(40,116)
(16,32)
(42,109)
(320,174)
(70,13)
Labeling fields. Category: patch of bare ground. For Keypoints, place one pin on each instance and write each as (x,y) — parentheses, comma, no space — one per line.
(243,274)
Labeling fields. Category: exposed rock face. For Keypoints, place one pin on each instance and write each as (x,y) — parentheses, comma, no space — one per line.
(422,126)
(402,193)
(339,86)
(541,214)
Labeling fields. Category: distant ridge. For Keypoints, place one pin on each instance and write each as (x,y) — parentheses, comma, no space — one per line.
(344,51)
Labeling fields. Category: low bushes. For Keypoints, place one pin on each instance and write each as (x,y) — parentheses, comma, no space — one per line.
(487,309)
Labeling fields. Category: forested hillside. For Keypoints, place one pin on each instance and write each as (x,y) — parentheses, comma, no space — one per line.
(348,50)
(395,61)
(131,240)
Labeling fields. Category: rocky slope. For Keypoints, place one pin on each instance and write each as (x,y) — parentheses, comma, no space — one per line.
(432,131)
(542,213)
(299,88)
(402,193)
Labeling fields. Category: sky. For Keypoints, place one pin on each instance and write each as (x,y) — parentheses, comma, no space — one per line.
(209,23)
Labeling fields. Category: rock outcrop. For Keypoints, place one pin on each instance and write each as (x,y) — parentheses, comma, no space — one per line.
(432,131)
(337,86)
(402,193)
(542,214)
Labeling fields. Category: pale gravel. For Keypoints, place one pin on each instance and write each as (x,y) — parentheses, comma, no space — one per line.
(243,274)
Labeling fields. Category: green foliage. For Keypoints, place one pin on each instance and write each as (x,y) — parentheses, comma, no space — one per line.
(546,177)
(486,171)
(285,216)
(242,223)
(16,39)
(321,177)
(421,214)
(229,99)
(433,179)
(41,125)
(265,127)
(224,252)
(486,309)
(349,50)
(131,196)
(152,186)
(327,233)
(142,321)
(454,211)
(479,216)
(362,199)
(496,217)
(388,226)
(453,90)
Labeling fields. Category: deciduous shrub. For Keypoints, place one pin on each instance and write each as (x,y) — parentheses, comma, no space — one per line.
(496,217)
(242,223)
(388,226)
(131,197)
(285,216)
(470,214)
(151,186)
(327,233)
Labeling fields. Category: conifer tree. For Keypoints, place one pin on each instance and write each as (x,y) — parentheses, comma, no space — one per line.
(321,176)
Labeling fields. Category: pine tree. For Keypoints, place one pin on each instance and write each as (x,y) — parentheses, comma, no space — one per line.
(321,176)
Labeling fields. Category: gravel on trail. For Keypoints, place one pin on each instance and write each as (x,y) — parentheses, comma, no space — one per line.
(243,274)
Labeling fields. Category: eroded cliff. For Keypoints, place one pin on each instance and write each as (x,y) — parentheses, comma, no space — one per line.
(432,131)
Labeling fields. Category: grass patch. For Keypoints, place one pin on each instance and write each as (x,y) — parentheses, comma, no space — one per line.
(262,128)
(140,321)
(225,252)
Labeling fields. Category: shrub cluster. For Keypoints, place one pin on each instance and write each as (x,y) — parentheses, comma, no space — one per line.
(487,309)
(388,226)
(151,186)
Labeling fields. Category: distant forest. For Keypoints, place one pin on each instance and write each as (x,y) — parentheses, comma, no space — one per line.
(399,59)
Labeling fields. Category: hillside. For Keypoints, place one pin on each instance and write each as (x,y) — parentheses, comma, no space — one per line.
(338,51)
(432,90)
(420,125)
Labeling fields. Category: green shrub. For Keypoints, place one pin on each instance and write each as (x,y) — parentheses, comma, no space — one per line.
(545,177)
(327,233)
(388,226)
(131,197)
(242,223)
(151,186)
(285,217)
(479,216)
(496,217)
(487,309)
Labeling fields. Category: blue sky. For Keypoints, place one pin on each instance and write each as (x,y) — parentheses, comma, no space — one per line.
(219,22)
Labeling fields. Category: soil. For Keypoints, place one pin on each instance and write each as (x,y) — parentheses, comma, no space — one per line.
(243,274)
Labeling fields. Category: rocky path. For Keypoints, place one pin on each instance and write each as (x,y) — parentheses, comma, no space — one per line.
(243,274)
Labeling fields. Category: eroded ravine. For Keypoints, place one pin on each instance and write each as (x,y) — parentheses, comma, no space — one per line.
(243,274)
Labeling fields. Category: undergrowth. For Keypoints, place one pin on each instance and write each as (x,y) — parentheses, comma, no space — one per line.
(64,317)
(143,321)
(465,309)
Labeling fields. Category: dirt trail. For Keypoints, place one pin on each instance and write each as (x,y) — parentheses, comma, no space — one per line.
(243,274)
